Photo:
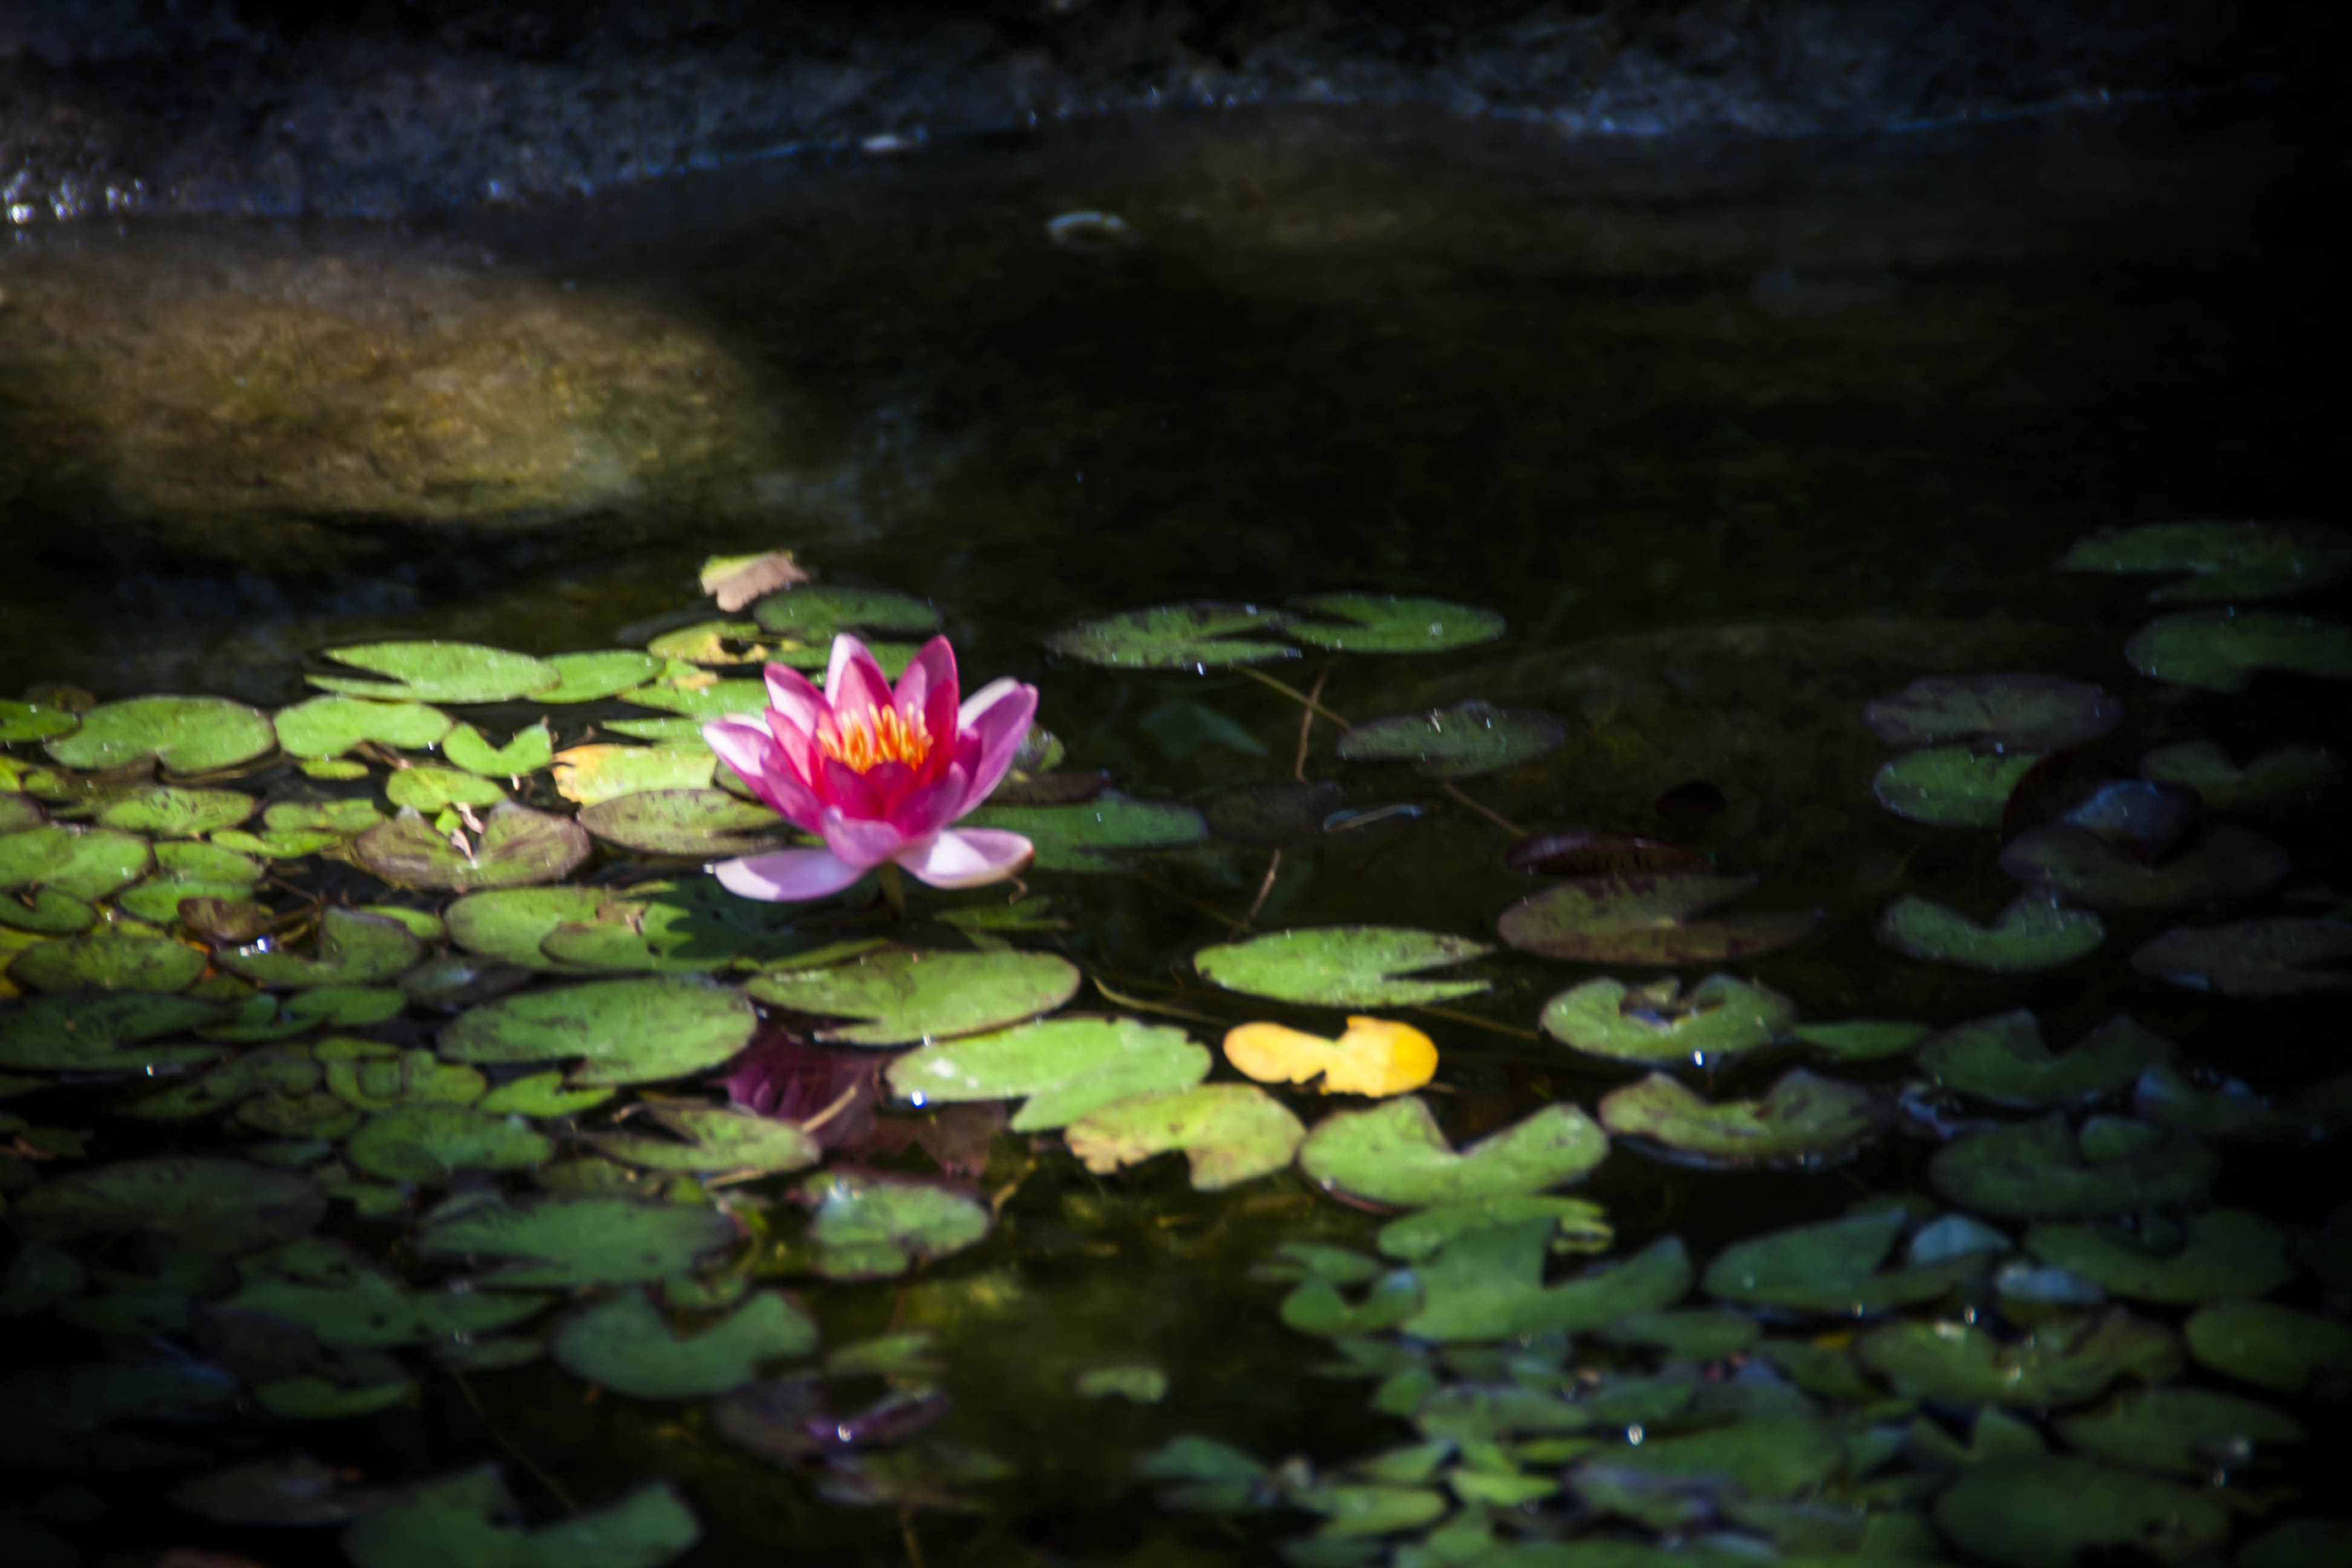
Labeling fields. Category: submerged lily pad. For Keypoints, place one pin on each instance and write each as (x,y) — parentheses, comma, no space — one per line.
(186,734)
(2042,1169)
(1174,637)
(2223,560)
(1094,835)
(1718,1018)
(1394,1153)
(2284,956)
(622,1031)
(2006,711)
(2187,1431)
(354,949)
(1272,814)
(707,822)
(2266,1343)
(438,672)
(1951,787)
(170,812)
(1384,623)
(1647,919)
(2219,862)
(1457,743)
(2047,1512)
(2036,933)
(2062,1362)
(1065,1067)
(1343,966)
(869,1227)
(2004,1059)
(518,848)
(1801,1119)
(1230,1132)
(623,1344)
(2273,777)
(2220,650)
(217,1208)
(712,1138)
(102,1034)
(559,1243)
(1834,1266)
(900,994)
(330,726)
(455,1522)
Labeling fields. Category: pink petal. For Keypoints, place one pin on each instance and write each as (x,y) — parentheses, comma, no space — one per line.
(853,793)
(927,810)
(853,683)
(800,756)
(861,842)
(791,694)
(967,857)
(755,755)
(787,876)
(999,713)
(929,679)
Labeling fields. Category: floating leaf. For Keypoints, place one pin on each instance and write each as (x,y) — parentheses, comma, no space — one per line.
(2187,1431)
(343,816)
(1834,1266)
(433,790)
(33,722)
(708,643)
(2219,862)
(2045,1512)
(559,1243)
(1066,1068)
(2223,560)
(2266,1343)
(2219,650)
(448,1523)
(2062,1362)
(2036,933)
(102,1034)
(1343,966)
(704,702)
(186,734)
(2007,711)
(1173,637)
(509,925)
(438,672)
(278,843)
(736,580)
(623,1031)
(1094,835)
(19,812)
(330,726)
(517,847)
(1487,1284)
(354,949)
(2285,956)
(217,1208)
(900,994)
(329,1290)
(1384,623)
(1394,1153)
(1719,1017)
(711,1138)
(706,823)
(170,812)
(1230,1132)
(1647,919)
(2042,1169)
(813,615)
(1577,1224)
(53,913)
(1864,1040)
(1141,1384)
(592,775)
(623,1344)
(2004,1059)
(1375,1056)
(108,960)
(1802,1120)
(1456,742)
(542,1095)
(1951,787)
(2273,777)
(589,677)
(431,1143)
(872,1228)
(680,928)
(85,863)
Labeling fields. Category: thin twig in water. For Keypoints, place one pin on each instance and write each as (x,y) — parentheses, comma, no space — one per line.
(1497,818)
(1273,869)
(906,1534)
(1313,704)
(1140,1006)
(1307,720)
(554,1487)
(1475,1022)
(840,1103)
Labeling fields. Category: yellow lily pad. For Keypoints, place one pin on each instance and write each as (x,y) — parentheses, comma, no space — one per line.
(1375,1056)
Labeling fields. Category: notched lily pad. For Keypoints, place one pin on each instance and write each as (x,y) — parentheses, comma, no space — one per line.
(2186,1431)
(2036,933)
(509,925)
(438,672)
(1647,919)
(711,1139)
(707,822)
(433,789)
(460,1521)
(186,734)
(1834,1266)
(331,726)
(84,863)
(1066,1068)
(814,614)
(2274,777)
(2219,863)
(624,1345)
(1802,1120)
(217,1208)
(1951,787)
(354,949)
(1659,1023)
(1384,622)
(2042,1169)
(33,720)
(1456,742)
(1230,1132)
(900,994)
(868,1228)
(1174,637)
(1094,835)
(1343,966)
(103,1034)
(622,1031)
(592,775)
(1394,1153)
(2268,1344)
(558,1243)
(2222,559)
(169,811)
(2220,650)
(2004,1059)
(2006,711)
(109,959)
(519,848)
(2061,1363)
(427,1142)
(2283,956)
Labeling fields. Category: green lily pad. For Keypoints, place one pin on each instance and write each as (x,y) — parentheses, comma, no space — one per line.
(85,863)
(52,913)
(345,817)
(1393,1153)
(34,721)
(252,1072)
(1951,787)
(217,1207)
(1489,1284)
(102,1034)
(370,1076)
(814,614)
(707,822)
(1834,1266)
(1863,1039)
(207,862)
(1456,742)
(169,811)
(1174,637)
(713,1139)
(1384,623)
(1761,1460)
(588,677)
(317,1114)
(354,949)
(2004,1061)
(2225,1109)
(278,843)
(2007,711)
(2223,560)
(1698,1334)
(2299,1543)
(438,672)
(2274,777)
(624,1345)
(871,1227)
(517,847)
(1343,966)
(593,775)
(2187,1431)
(542,1095)
(2219,862)
(623,1031)
(2041,1168)
(428,1143)
(186,734)
(1065,1067)
(2046,1512)
(2062,1362)
(451,1524)
(1802,1120)
(2282,956)
(1576,1226)
(1094,835)
(2265,1343)
(2219,650)
(1659,1023)
(1635,918)
(561,1243)
(676,730)
(708,643)
(1230,1133)
(526,751)
(19,812)
(702,704)
(675,928)
(331,1290)
(508,924)
(2036,933)
(108,960)
(331,726)
(899,995)
(432,790)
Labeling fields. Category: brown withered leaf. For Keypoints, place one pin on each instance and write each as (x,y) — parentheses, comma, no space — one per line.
(734,581)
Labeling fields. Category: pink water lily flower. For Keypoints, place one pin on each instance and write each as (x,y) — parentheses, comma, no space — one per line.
(877,773)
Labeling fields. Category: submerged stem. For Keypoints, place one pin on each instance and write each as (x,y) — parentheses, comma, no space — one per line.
(1312,704)
(894,890)
(1497,817)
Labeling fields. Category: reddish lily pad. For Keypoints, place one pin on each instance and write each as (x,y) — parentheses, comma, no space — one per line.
(2222,559)
(2219,862)
(2285,956)
(2004,1061)
(1174,637)
(2007,711)
(1803,1119)
(1659,1023)
(2043,1169)
(2035,934)
(1457,743)
(519,848)
(2273,777)
(1647,919)
(2220,650)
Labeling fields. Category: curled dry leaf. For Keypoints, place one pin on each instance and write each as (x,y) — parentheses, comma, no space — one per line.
(734,581)
(1374,1058)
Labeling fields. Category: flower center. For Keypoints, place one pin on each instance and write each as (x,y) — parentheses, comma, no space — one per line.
(863,741)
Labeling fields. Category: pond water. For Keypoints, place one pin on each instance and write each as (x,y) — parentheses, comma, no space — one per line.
(1727,442)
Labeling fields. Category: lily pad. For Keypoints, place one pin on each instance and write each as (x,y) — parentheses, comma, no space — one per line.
(354,949)
(331,726)
(1834,1266)
(589,677)
(351,817)
(2046,1512)
(1174,637)
(2036,933)
(2274,777)
(52,913)
(1393,1153)
(2007,711)
(1863,1039)
(561,1243)
(329,1290)
(1487,1284)
(2003,1059)
(2283,956)
(186,734)
(518,848)
(19,812)
(703,701)
(592,774)
(2042,1169)
(1066,1066)
(2219,862)
(1384,623)
(1647,919)
(868,1228)
(706,823)
(526,751)
(1229,1133)
(677,928)
(438,672)
(1659,1023)
(108,960)
(2064,1362)
(217,1208)
(624,1345)
(432,790)
(900,995)
(1456,742)
(1576,1226)
(427,1142)
(102,1034)
(85,863)
(1343,966)
(2187,1431)
(1376,1057)
(278,843)
(452,1523)
(711,1139)
(2266,1343)
(170,812)
(623,1031)
(34,721)
(2219,650)
(510,924)
(1951,787)
(814,614)
(1802,1120)
(2304,1543)
(2223,560)
(1095,833)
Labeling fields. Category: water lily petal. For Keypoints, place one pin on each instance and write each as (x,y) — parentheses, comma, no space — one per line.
(787,876)
(967,857)
(755,755)
(927,809)
(860,841)
(928,682)
(854,794)
(999,713)
(853,683)
(795,697)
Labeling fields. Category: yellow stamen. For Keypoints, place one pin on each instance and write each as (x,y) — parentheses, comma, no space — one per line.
(861,742)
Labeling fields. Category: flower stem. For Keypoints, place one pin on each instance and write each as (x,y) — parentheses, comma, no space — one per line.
(1312,704)
(894,892)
